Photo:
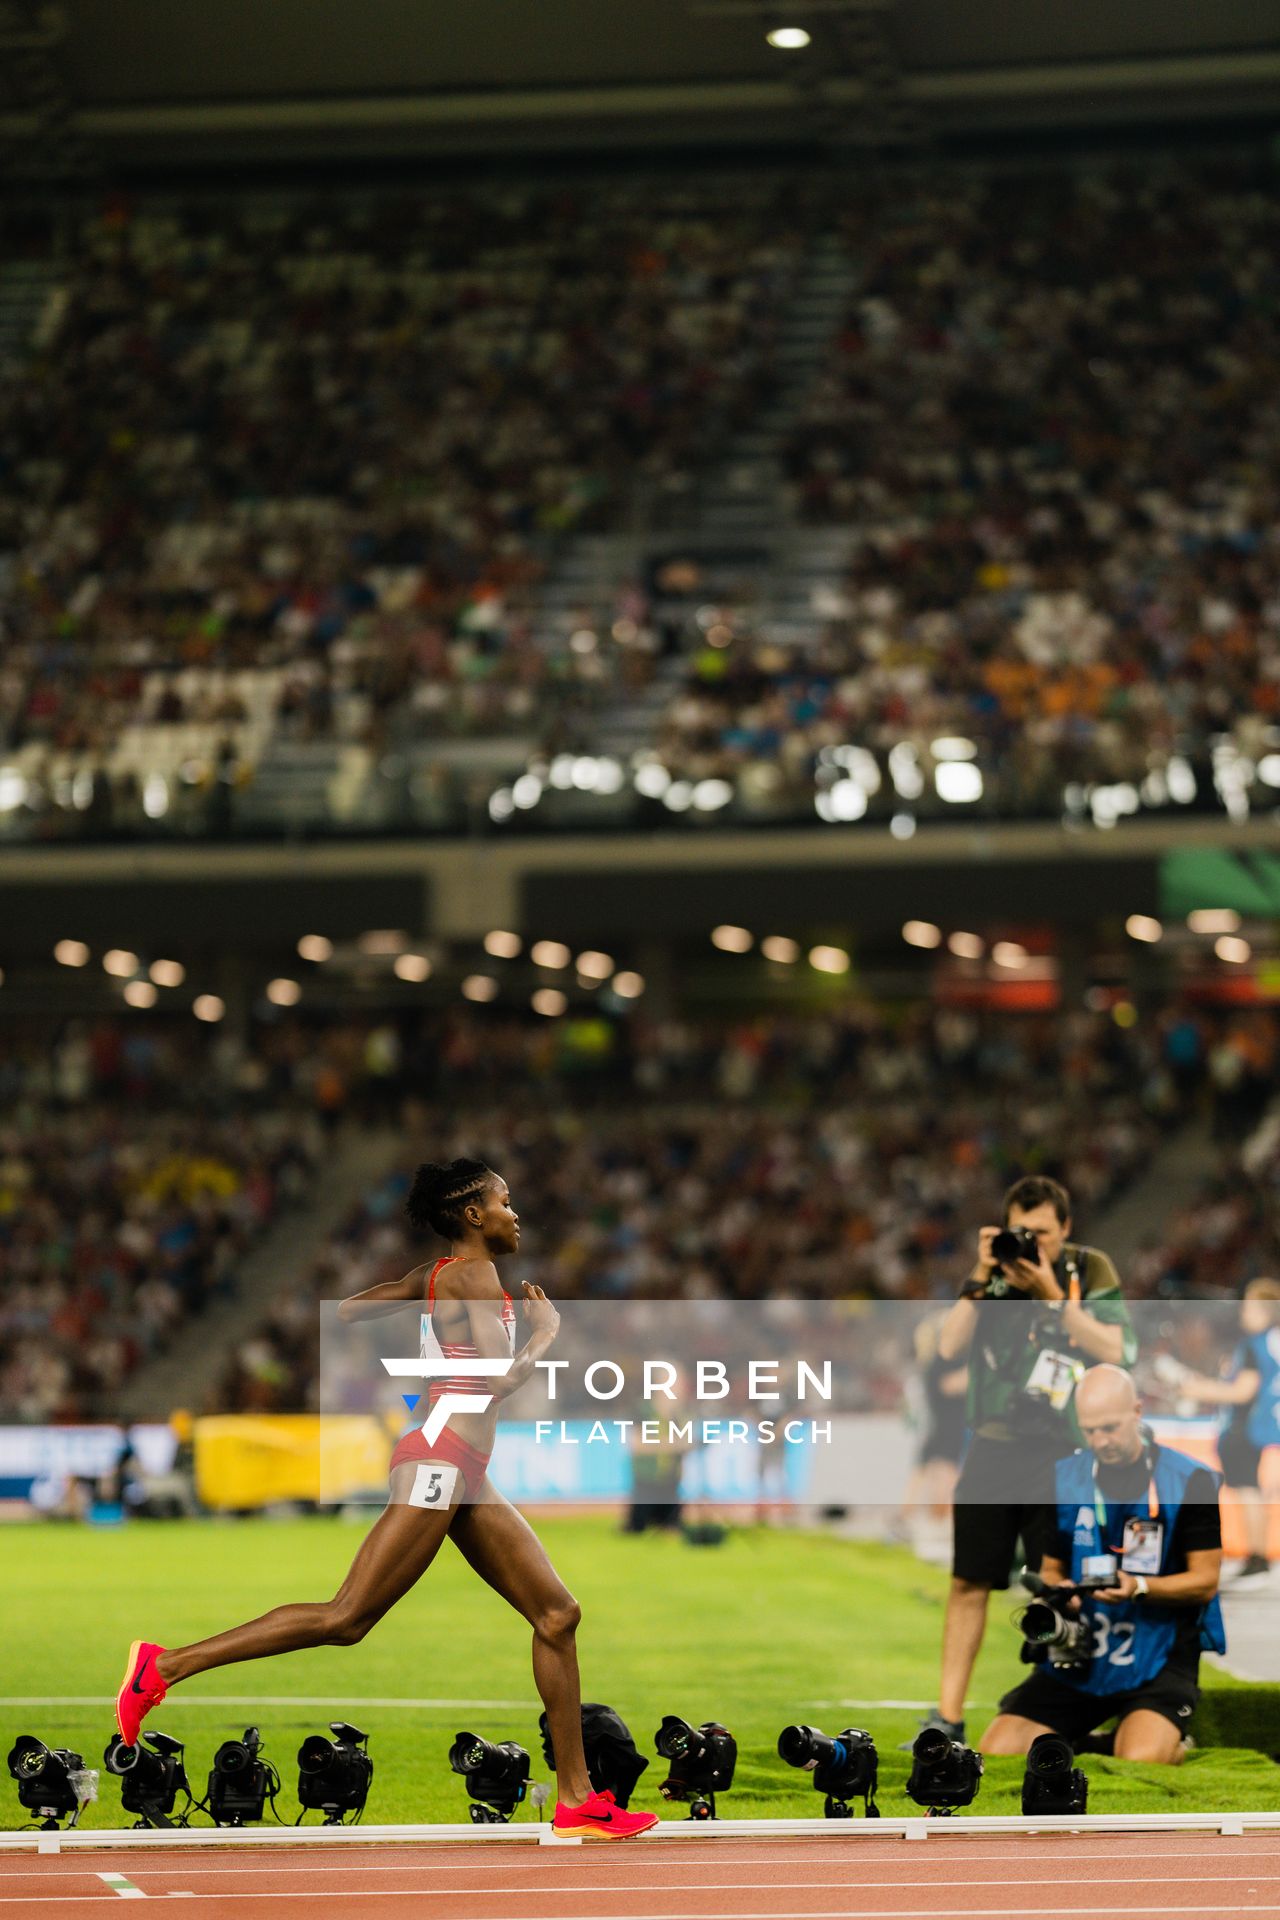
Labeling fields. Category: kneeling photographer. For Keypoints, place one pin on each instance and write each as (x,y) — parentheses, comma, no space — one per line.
(1129,1586)
(1034,1312)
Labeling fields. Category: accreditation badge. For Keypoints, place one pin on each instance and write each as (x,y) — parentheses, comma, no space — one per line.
(1053,1378)
(1142,1549)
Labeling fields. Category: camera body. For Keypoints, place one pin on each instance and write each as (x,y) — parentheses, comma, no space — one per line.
(701,1762)
(334,1775)
(1050,1628)
(843,1767)
(944,1772)
(151,1777)
(496,1775)
(1015,1243)
(1053,1783)
(240,1783)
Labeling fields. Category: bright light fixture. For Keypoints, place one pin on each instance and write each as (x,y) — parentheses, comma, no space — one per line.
(778,947)
(1214,920)
(629,986)
(120,962)
(207,1006)
(1142,926)
(921,933)
(966,946)
(168,973)
(283,993)
(788,39)
(71,953)
(380,941)
(829,959)
(732,939)
(316,947)
(550,953)
(594,966)
(503,946)
(140,993)
(958,781)
(1231,948)
(550,1001)
(479,987)
(414,967)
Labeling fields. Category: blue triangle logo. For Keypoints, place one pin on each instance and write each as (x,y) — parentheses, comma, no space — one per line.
(411,1400)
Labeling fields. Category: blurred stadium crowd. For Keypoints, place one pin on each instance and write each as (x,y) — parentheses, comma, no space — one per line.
(296,473)
(848,1153)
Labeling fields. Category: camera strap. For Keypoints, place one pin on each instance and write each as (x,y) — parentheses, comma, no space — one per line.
(1072,1267)
(1153,1498)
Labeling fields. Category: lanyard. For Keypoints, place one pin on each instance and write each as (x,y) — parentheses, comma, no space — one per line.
(1100,1505)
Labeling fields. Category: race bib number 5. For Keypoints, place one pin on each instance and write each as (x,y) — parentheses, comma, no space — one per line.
(434,1486)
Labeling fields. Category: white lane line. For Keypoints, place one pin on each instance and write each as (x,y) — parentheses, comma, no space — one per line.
(275,1863)
(124,1887)
(747,1886)
(1225,1849)
(375,1700)
(257,1700)
(771,1912)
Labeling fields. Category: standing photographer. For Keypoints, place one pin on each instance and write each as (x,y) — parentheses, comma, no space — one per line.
(1036,1309)
(1249,1443)
(1142,1520)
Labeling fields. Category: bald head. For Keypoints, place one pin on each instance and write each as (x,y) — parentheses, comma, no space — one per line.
(1109,1412)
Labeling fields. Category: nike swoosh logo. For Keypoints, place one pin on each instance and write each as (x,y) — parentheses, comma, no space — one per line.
(603,1818)
(137,1688)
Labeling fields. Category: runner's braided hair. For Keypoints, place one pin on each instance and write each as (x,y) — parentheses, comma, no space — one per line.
(439,1194)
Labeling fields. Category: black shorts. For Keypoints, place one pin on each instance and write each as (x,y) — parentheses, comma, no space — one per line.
(1239,1457)
(941,1443)
(987,1527)
(1074,1713)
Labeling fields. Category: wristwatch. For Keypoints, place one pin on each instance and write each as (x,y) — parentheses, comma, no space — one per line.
(1140,1588)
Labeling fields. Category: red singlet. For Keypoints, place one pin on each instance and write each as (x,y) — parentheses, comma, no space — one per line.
(448,1446)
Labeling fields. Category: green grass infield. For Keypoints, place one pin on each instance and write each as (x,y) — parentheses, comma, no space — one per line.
(770,1627)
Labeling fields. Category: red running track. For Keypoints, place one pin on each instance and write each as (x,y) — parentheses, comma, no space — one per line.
(1059,1877)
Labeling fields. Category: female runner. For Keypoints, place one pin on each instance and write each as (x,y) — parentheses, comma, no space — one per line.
(438,1488)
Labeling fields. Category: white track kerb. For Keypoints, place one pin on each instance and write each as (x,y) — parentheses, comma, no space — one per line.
(700,1832)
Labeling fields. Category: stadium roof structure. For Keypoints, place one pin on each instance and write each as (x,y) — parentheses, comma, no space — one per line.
(148,81)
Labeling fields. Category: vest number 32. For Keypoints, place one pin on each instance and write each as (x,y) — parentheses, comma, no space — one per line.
(1113,1640)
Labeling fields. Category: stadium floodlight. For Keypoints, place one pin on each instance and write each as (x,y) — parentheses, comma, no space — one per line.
(1053,1783)
(413,967)
(944,1772)
(732,939)
(844,1768)
(53,1782)
(496,1774)
(240,1783)
(700,1760)
(151,1778)
(334,1775)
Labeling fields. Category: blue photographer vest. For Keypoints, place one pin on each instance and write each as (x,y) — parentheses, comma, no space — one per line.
(1261,1353)
(1133,1639)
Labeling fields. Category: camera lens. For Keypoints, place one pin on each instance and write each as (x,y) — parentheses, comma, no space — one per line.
(795,1745)
(314,1754)
(1051,1754)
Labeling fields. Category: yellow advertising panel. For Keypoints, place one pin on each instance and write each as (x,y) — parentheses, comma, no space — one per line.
(255,1460)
